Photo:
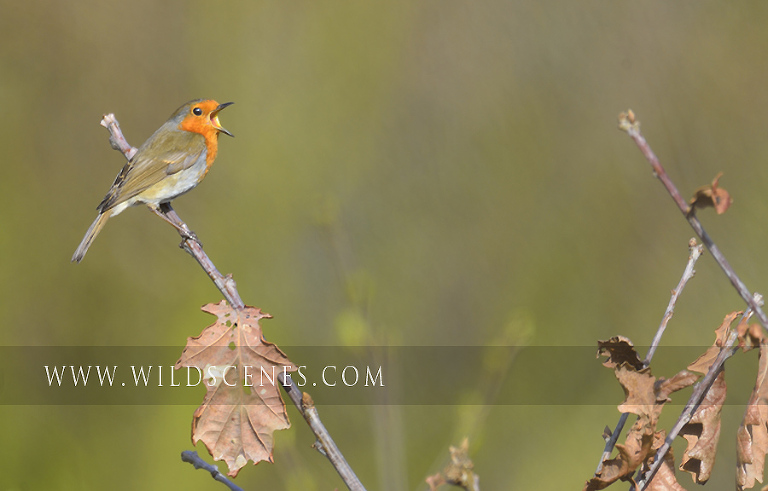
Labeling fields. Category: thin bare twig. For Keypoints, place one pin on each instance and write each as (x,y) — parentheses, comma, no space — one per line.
(628,123)
(194,459)
(228,288)
(695,251)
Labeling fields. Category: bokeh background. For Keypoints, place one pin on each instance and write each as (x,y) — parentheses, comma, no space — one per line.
(403,173)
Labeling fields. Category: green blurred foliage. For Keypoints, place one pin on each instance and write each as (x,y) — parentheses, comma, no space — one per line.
(436,172)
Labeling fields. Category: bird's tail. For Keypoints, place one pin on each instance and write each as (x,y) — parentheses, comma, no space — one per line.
(91,234)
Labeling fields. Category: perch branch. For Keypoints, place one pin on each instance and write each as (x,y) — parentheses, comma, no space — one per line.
(228,288)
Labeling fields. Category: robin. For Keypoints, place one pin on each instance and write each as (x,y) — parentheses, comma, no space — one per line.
(171,162)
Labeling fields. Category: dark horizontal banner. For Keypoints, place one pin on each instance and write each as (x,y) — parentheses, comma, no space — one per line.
(404,375)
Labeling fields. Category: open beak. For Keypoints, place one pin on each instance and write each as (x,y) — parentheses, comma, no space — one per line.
(215,118)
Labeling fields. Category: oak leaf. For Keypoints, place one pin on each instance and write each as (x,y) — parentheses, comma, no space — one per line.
(242,406)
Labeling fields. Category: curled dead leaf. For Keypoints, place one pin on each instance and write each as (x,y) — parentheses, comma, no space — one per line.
(645,396)
(703,362)
(750,335)
(703,433)
(619,350)
(711,195)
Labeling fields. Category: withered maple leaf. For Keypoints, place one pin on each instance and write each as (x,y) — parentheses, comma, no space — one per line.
(752,437)
(242,406)
(711,195)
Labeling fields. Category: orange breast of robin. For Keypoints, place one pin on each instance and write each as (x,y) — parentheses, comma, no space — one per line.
(203,127)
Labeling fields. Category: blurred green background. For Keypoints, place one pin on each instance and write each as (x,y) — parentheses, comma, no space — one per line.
(403,173)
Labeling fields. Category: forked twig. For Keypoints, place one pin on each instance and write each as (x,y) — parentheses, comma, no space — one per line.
(695,251)
(228,288)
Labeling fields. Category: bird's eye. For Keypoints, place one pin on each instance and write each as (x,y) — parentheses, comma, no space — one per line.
(197,111)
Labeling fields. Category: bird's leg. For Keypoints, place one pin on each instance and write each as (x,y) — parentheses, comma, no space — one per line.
(167,213)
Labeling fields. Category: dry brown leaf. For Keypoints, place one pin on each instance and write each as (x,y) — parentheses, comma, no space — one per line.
(644,396)
(612,470)
(750,335)
(703,362)
(665,479)
(639,394)
(703,433)
(637,446)
(635,449)
(752,437)
(242,408)
(666,387)
(712,195)
(619,350)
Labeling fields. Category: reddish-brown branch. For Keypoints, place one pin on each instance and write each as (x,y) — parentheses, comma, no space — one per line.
(628,123)
(228,288)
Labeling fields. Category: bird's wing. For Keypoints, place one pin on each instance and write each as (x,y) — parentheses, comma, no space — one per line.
(160,156)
